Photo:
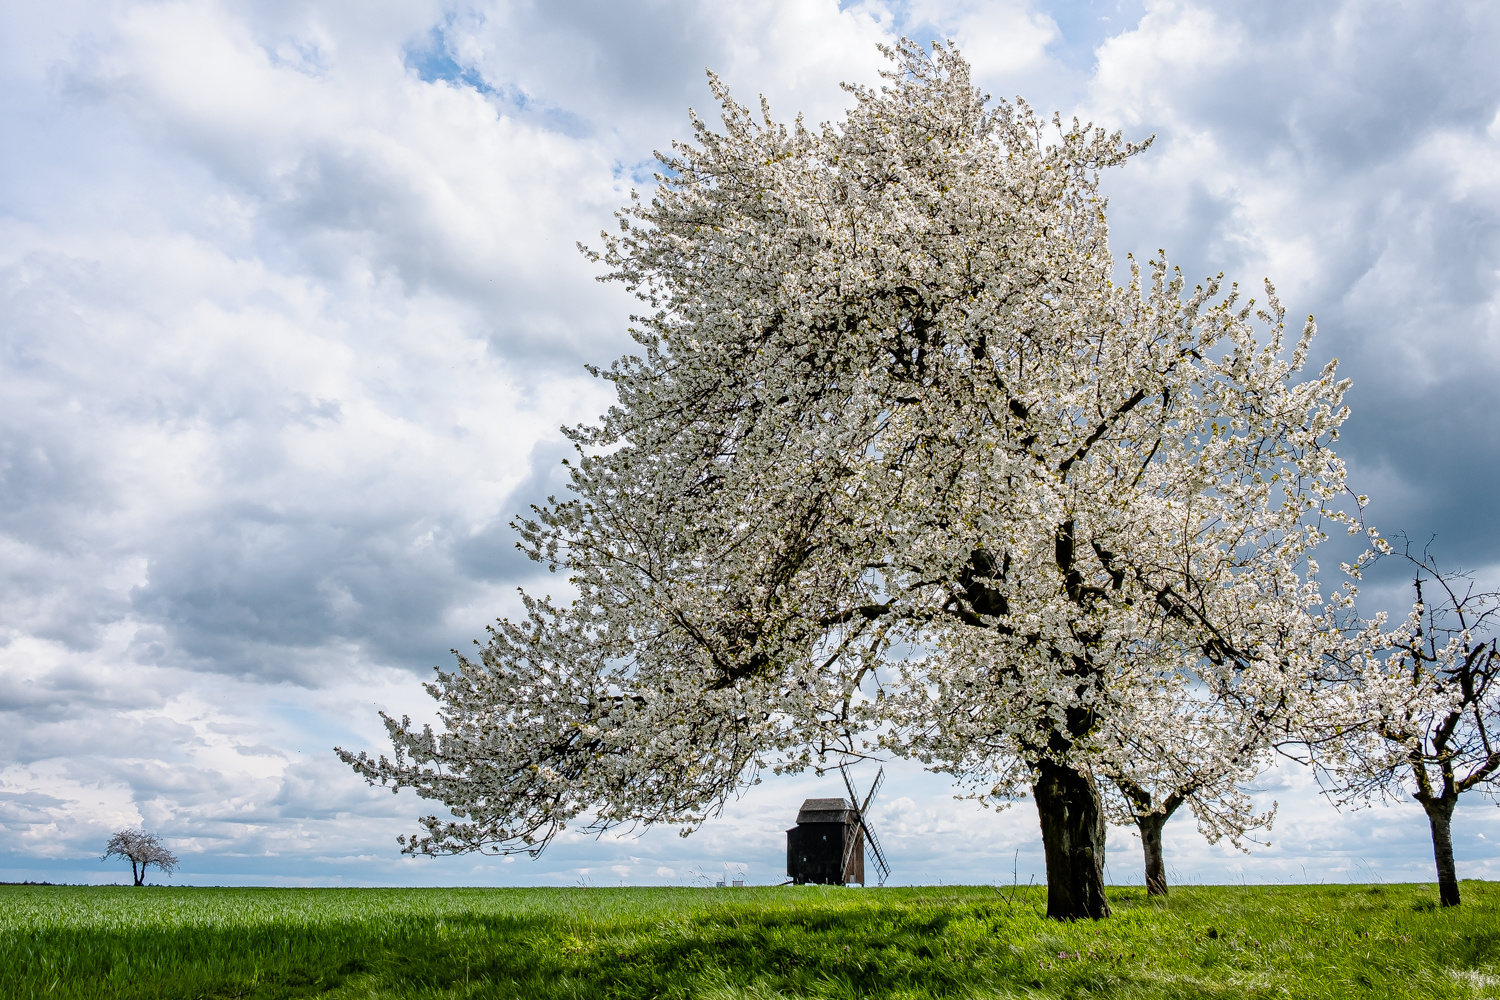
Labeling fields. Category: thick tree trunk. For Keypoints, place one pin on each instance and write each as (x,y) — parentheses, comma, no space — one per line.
(1072,819)
(1440,818)
(1156,868)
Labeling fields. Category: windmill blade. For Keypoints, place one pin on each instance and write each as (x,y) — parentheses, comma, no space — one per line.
(849,784)
(872,844)
(879,777)
(858,816)
(848,856)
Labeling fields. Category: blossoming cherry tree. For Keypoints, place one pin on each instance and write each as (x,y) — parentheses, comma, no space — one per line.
(897,459)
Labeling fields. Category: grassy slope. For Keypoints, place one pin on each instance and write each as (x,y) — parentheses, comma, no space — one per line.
(1387,941)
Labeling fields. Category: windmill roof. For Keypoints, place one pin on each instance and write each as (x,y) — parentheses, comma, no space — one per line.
(824,811)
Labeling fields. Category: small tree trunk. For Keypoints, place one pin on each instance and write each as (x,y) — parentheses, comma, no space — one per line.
(1156,868)
(1440,818)
(1072,817)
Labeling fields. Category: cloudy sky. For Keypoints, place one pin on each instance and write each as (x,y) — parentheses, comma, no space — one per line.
(291,311)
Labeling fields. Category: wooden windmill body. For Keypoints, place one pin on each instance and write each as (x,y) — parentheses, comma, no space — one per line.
(829,842)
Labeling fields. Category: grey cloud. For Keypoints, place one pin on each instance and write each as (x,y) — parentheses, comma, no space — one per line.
(1339,88)
(26,807)
(490,553)
(61,694)
(112,730)
(318,788)
(277,593)
(1331,122)
(627,68)
(243,587)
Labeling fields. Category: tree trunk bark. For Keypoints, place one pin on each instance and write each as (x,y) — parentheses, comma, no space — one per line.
(1440,818)
(1072,817)
(1156,868)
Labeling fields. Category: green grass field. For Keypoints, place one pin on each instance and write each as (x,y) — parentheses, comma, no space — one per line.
(1240,942)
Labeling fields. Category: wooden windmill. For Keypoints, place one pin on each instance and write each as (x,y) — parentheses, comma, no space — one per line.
(832,836)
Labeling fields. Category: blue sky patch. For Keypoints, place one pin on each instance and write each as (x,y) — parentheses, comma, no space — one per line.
(433,62)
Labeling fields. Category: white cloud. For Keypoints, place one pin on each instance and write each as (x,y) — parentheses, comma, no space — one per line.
(1000,38)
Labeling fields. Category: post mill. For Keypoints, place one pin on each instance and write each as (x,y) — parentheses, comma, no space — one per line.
(832,836)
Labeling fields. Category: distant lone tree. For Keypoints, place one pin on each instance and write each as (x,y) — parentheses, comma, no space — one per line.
(142,850)
(898,458)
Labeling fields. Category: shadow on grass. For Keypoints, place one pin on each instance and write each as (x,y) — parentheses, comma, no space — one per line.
(822,950)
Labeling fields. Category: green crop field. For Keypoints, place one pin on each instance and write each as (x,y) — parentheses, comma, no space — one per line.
(1241,942)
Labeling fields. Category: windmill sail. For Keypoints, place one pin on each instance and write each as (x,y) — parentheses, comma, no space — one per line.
(871,842)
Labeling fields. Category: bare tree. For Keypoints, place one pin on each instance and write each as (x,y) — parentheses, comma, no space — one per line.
(142,850)
(1424,720)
